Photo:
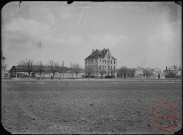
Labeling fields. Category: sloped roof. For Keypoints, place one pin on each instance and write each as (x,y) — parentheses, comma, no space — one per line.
(113,58)
(98,54)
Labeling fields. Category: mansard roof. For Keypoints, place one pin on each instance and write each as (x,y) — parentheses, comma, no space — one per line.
(98,54)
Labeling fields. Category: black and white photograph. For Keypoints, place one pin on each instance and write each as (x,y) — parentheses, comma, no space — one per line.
(91,67)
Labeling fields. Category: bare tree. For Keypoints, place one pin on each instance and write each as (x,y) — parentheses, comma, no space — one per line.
(89,71)
(76,68)
(175,67)
(102,71)
(131,72)
(71,69)
(123,71)
(147,72)
(40,67)
(53,66)
(112,72)
(61,70)
(28,64)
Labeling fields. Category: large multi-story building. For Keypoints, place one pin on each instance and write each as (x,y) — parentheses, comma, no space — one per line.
(61,72)
(101,62)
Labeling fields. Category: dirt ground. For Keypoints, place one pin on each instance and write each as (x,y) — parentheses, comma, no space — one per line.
(85,106)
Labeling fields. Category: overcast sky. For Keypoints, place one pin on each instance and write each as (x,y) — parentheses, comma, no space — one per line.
(137,34)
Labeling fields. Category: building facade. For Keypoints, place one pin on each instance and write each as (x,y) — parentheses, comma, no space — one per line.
(100,63)
(21,72)
(156,73)
(177,71)
(144,73)
(139,72)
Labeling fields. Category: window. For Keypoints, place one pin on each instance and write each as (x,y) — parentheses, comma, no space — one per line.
(111,67)
(111,61)
(114,61)
(86,61)
(114,67)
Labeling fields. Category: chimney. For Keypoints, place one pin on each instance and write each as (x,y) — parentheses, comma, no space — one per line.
(92,50)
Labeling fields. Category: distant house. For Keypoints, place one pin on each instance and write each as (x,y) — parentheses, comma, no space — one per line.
(139,72)
(156,73)
(177,71)
(21,72)
(148,73)
(101,62)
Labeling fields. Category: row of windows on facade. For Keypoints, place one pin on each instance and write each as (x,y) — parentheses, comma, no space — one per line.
(101,67)
(101,61)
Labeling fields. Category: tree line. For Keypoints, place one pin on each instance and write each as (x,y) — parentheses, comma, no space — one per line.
(75,68)
(52,65)
(170,73)
(125,72)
